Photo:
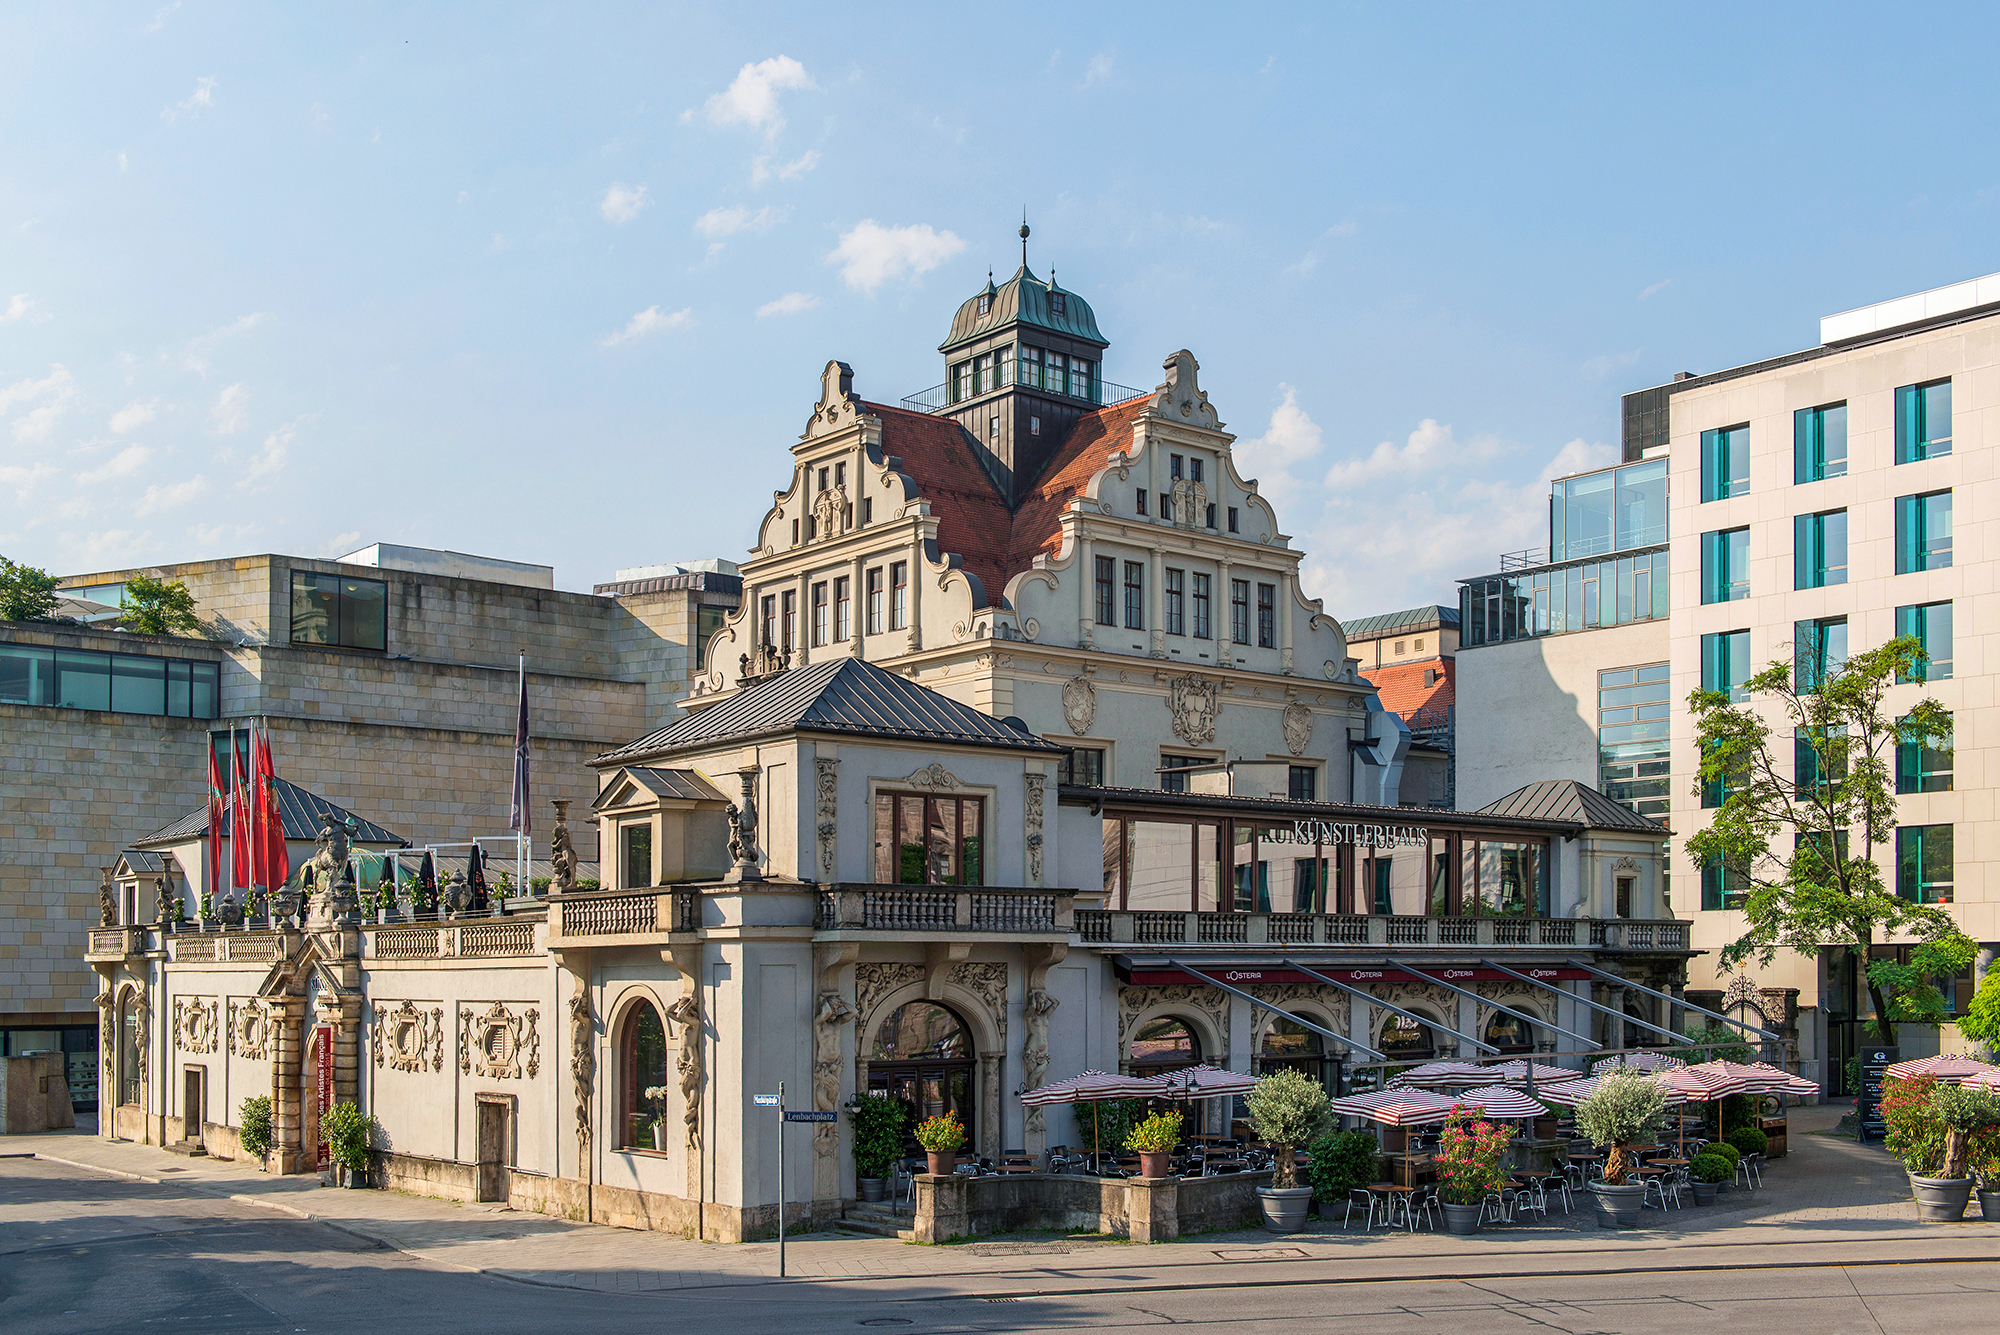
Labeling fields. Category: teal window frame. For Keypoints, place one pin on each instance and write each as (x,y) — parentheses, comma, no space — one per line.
(1722,887)
(1808,775)
(1923,532)
(1930,624)
(1725,565)
(1925,765)
(1725,663)
(1819,649)
(1924,864)
(1725,463)
(1819,549)
(1923,421)
(1819,443)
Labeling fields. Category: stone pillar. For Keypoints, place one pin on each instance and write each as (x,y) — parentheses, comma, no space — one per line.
(802,641)
(857,608)
(1086,565)
(942,1209)
(1468,1023)
(1222,613)
(990,1064)
(1156,603)
(1285,624)
(916,636)
(1152,1209)
(288,1056)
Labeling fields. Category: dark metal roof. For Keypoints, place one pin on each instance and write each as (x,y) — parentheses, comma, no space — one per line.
(301,811)
(1023,299)
(1568,800)
(698,581)
(844,697)
(1282,808)
(1415,618)
(676,785)
(143,862)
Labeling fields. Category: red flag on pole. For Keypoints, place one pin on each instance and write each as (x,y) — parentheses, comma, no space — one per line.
(215,801)
(256,807)
(519,818)
(276,861)
(241,865)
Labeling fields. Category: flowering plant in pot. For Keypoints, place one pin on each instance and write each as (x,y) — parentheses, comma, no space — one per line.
(1469,1153)
(1287,1110)
(878,1123)
(1153,1140)
(1709,1172)
(1938,1131)
(941,1137)
(656,1127)
(1625,1109)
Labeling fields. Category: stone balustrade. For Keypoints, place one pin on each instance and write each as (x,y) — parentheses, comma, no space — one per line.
(1141,927)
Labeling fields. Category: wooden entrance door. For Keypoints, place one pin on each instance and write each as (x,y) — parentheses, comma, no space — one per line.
(192,1104)
(494,1136)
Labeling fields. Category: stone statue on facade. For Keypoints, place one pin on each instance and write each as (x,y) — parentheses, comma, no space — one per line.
(743,831)
(331,852)
(686,1013)
(562,853)
(455,896)
(107,901)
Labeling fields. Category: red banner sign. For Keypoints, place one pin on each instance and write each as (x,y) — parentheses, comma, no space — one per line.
(323,1088)
(1460,976)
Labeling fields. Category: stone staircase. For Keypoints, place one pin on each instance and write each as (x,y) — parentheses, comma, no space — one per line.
(877,1221)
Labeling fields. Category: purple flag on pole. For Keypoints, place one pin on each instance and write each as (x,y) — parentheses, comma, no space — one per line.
(519,819)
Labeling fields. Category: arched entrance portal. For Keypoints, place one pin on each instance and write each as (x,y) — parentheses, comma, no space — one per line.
(1510,1033)
(1165,1044)
(1289,1045)
(1407,1040)
(922,1057)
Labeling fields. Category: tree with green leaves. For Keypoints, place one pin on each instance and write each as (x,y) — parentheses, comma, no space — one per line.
(159,607)
(1837,799)
(26,594)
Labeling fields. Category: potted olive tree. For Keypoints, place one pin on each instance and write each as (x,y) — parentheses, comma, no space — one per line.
(254,1134)
(1707,1174)
(1625,1110)
(1287,1110)
(1153,1140)
(1468,1167)
(878,1140)
(1936,1132)
(941,1137)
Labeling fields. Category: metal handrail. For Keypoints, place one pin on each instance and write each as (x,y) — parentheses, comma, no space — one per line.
(938,398)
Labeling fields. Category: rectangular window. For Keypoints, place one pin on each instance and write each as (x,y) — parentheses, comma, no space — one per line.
(1079,380)
(635,845)
(1819,650)
(771,620)
(867,510)
(1176,592)
(982,374)
(961,382)
(1819,443)
(1058,378)
(843,609)
(1725,565)
(1232,520)
(899,595)
(114,683)
(1142,501)
(1924,765)
(922,840)
(1194,467)
(1930,624)
(338,610)
(1819,758)
(1171,778)
(1201,623)
(1923,421)
(1003,367)
(1725,463)
(1029,365)
(1174,467)
(707,621)
(1632,746)
(1267,616)
(1305,783)
(1725,663)
(788,627)
(874,578)
(819,613)
(1924,863)
(823,476)
(1923,532)
(1210,517)
(1819,549)
(1239,610)
(1082,764)
(1723,887)
(1107,579)
(1135,595)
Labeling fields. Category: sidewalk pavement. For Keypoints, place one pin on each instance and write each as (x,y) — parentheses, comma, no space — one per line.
(1832,1201)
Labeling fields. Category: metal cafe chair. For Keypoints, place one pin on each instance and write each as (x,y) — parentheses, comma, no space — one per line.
(1364,1198)
(1497,1207)
(1557,1183)
(1421,1201)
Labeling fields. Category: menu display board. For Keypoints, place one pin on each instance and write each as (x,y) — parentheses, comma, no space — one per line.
(1868,1102)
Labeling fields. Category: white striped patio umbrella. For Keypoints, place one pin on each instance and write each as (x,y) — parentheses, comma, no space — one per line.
(1572,1092)
(1740,1078)
(1396,1107)
(1198,1082)
(1636,1061)
(1947,1068)
(1694,1084)
(1501,1101)
(1447,1075)
(1987,1080)
(1798,1084)
(1520,1072)
(1089,1088)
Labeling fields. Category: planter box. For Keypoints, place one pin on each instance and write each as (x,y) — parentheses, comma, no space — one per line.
(1617,1207)
(1284,1207)
(1941,1200)
(1461,1219)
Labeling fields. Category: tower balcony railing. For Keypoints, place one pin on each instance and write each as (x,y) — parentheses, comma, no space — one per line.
(1142,927)
(938,398)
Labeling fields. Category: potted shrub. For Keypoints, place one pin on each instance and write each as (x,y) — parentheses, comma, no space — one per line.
(1625,1109)
(254,1131)
(1708,1173)
(1153,1140)
(1545,1125)
(1750,1141)
(1341,1162)
(878,1122)
(1468,1167)
(941,1137)
(347,1130)
(1287,1110)
(1941,1141)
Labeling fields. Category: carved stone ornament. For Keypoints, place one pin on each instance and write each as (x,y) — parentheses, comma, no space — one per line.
(196,1024)
(1330,670)
(498,1044)
(1298,728)
(872,982)
(407,1038)
(935,777)
(1032,841)
(988,982)
(1194,701)
(107,901)
(829,508)
(562,853)
(742,815)
(686,1015)
(838,405)
(834,1012)
(1181,395)
(826,812)
(1079,704)
(582,1065)
(1190,504)
(249,1029)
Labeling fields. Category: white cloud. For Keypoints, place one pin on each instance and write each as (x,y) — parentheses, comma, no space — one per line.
(870,254)
(52,395)
(201,350)
(790,304)
(752,97)
(276,450)
(728,222)
(200,100)
(124,163)
(1310,261)
(161,16)
(1430,450)
(648,321)
(340,544)
(22,477)
(621,203)
(1599,367)
(229,416)
(22,307)
(133,415)
(171,495)
(120,465)
(1097,71)
(1292,437)
(760,167)
(1656,288)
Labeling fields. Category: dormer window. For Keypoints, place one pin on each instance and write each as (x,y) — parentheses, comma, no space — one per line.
(985,303)
(1057,304)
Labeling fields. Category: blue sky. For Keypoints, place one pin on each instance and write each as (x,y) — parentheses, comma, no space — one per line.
(556,285)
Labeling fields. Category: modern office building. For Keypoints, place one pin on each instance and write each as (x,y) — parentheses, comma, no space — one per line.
(1411,659)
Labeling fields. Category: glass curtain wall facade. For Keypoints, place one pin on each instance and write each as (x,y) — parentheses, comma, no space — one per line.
(1558,599)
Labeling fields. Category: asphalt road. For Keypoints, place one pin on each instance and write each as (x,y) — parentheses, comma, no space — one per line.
(80,1252)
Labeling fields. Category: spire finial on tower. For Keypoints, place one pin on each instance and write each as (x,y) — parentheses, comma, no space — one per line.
(1024,237)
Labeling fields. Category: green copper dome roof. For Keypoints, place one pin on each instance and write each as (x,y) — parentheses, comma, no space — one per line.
(1023,299)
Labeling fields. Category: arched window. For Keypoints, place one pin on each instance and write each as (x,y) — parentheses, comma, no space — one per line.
(1289,1045)
(1510,1033)
(922,1057)
(642,1063)
(1404,1039)
(128,1048)
(1165,1044)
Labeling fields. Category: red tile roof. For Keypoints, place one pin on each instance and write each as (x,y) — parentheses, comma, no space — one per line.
(1402,688)
(972,515)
